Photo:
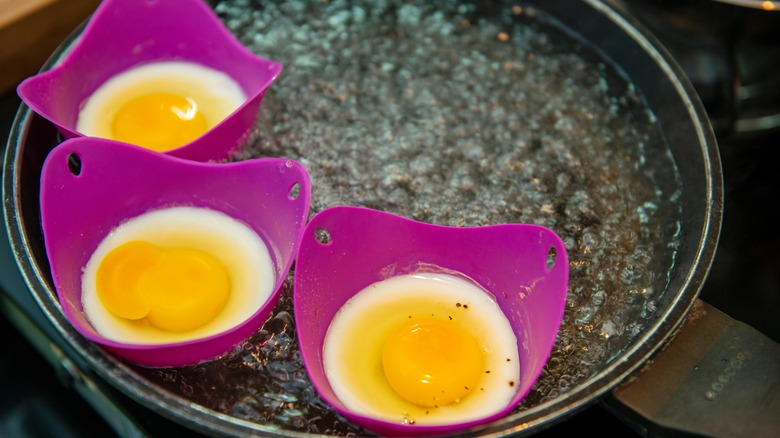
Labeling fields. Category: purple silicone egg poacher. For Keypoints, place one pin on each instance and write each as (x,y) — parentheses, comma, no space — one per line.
(89,186)
(345,249)
(127,33)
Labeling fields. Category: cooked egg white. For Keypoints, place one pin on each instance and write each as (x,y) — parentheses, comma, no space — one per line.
(425,349)
(160,106)
(176,274)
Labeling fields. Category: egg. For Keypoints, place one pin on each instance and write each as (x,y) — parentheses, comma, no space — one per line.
(423,349)
(176,274)
(160,105)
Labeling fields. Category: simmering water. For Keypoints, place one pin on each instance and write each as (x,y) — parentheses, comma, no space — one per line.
(454,115)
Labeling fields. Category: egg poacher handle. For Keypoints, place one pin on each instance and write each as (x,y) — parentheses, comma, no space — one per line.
(89,186)
(345,249)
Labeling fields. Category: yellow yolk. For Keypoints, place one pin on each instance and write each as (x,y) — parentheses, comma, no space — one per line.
(175,289)
(159,121)
(432,363)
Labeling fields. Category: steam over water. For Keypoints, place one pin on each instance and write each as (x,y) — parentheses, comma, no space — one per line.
(454,115)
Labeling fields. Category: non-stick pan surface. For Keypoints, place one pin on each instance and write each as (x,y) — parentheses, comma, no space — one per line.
(559,113)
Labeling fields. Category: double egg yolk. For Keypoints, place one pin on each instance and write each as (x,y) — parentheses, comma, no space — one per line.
(176,274)
(176,290)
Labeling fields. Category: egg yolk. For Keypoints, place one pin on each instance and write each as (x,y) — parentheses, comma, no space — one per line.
(432,363)
(159,121)
(174,289)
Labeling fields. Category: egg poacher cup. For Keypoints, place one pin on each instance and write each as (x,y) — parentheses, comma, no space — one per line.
(123,34)
(89,186)
(345,249)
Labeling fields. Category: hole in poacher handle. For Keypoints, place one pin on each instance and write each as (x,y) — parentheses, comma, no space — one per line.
(113,182)
(74,164)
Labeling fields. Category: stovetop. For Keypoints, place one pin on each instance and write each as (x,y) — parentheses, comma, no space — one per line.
(731,55)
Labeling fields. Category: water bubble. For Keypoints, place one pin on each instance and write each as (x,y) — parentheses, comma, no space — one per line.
(609,330)
(598,298)
(651,307)
(584,314)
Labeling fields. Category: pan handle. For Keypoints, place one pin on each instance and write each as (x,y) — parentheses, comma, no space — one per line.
(717,377)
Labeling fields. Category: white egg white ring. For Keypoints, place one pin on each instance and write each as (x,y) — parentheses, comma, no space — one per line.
(355,338)
(236,245)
